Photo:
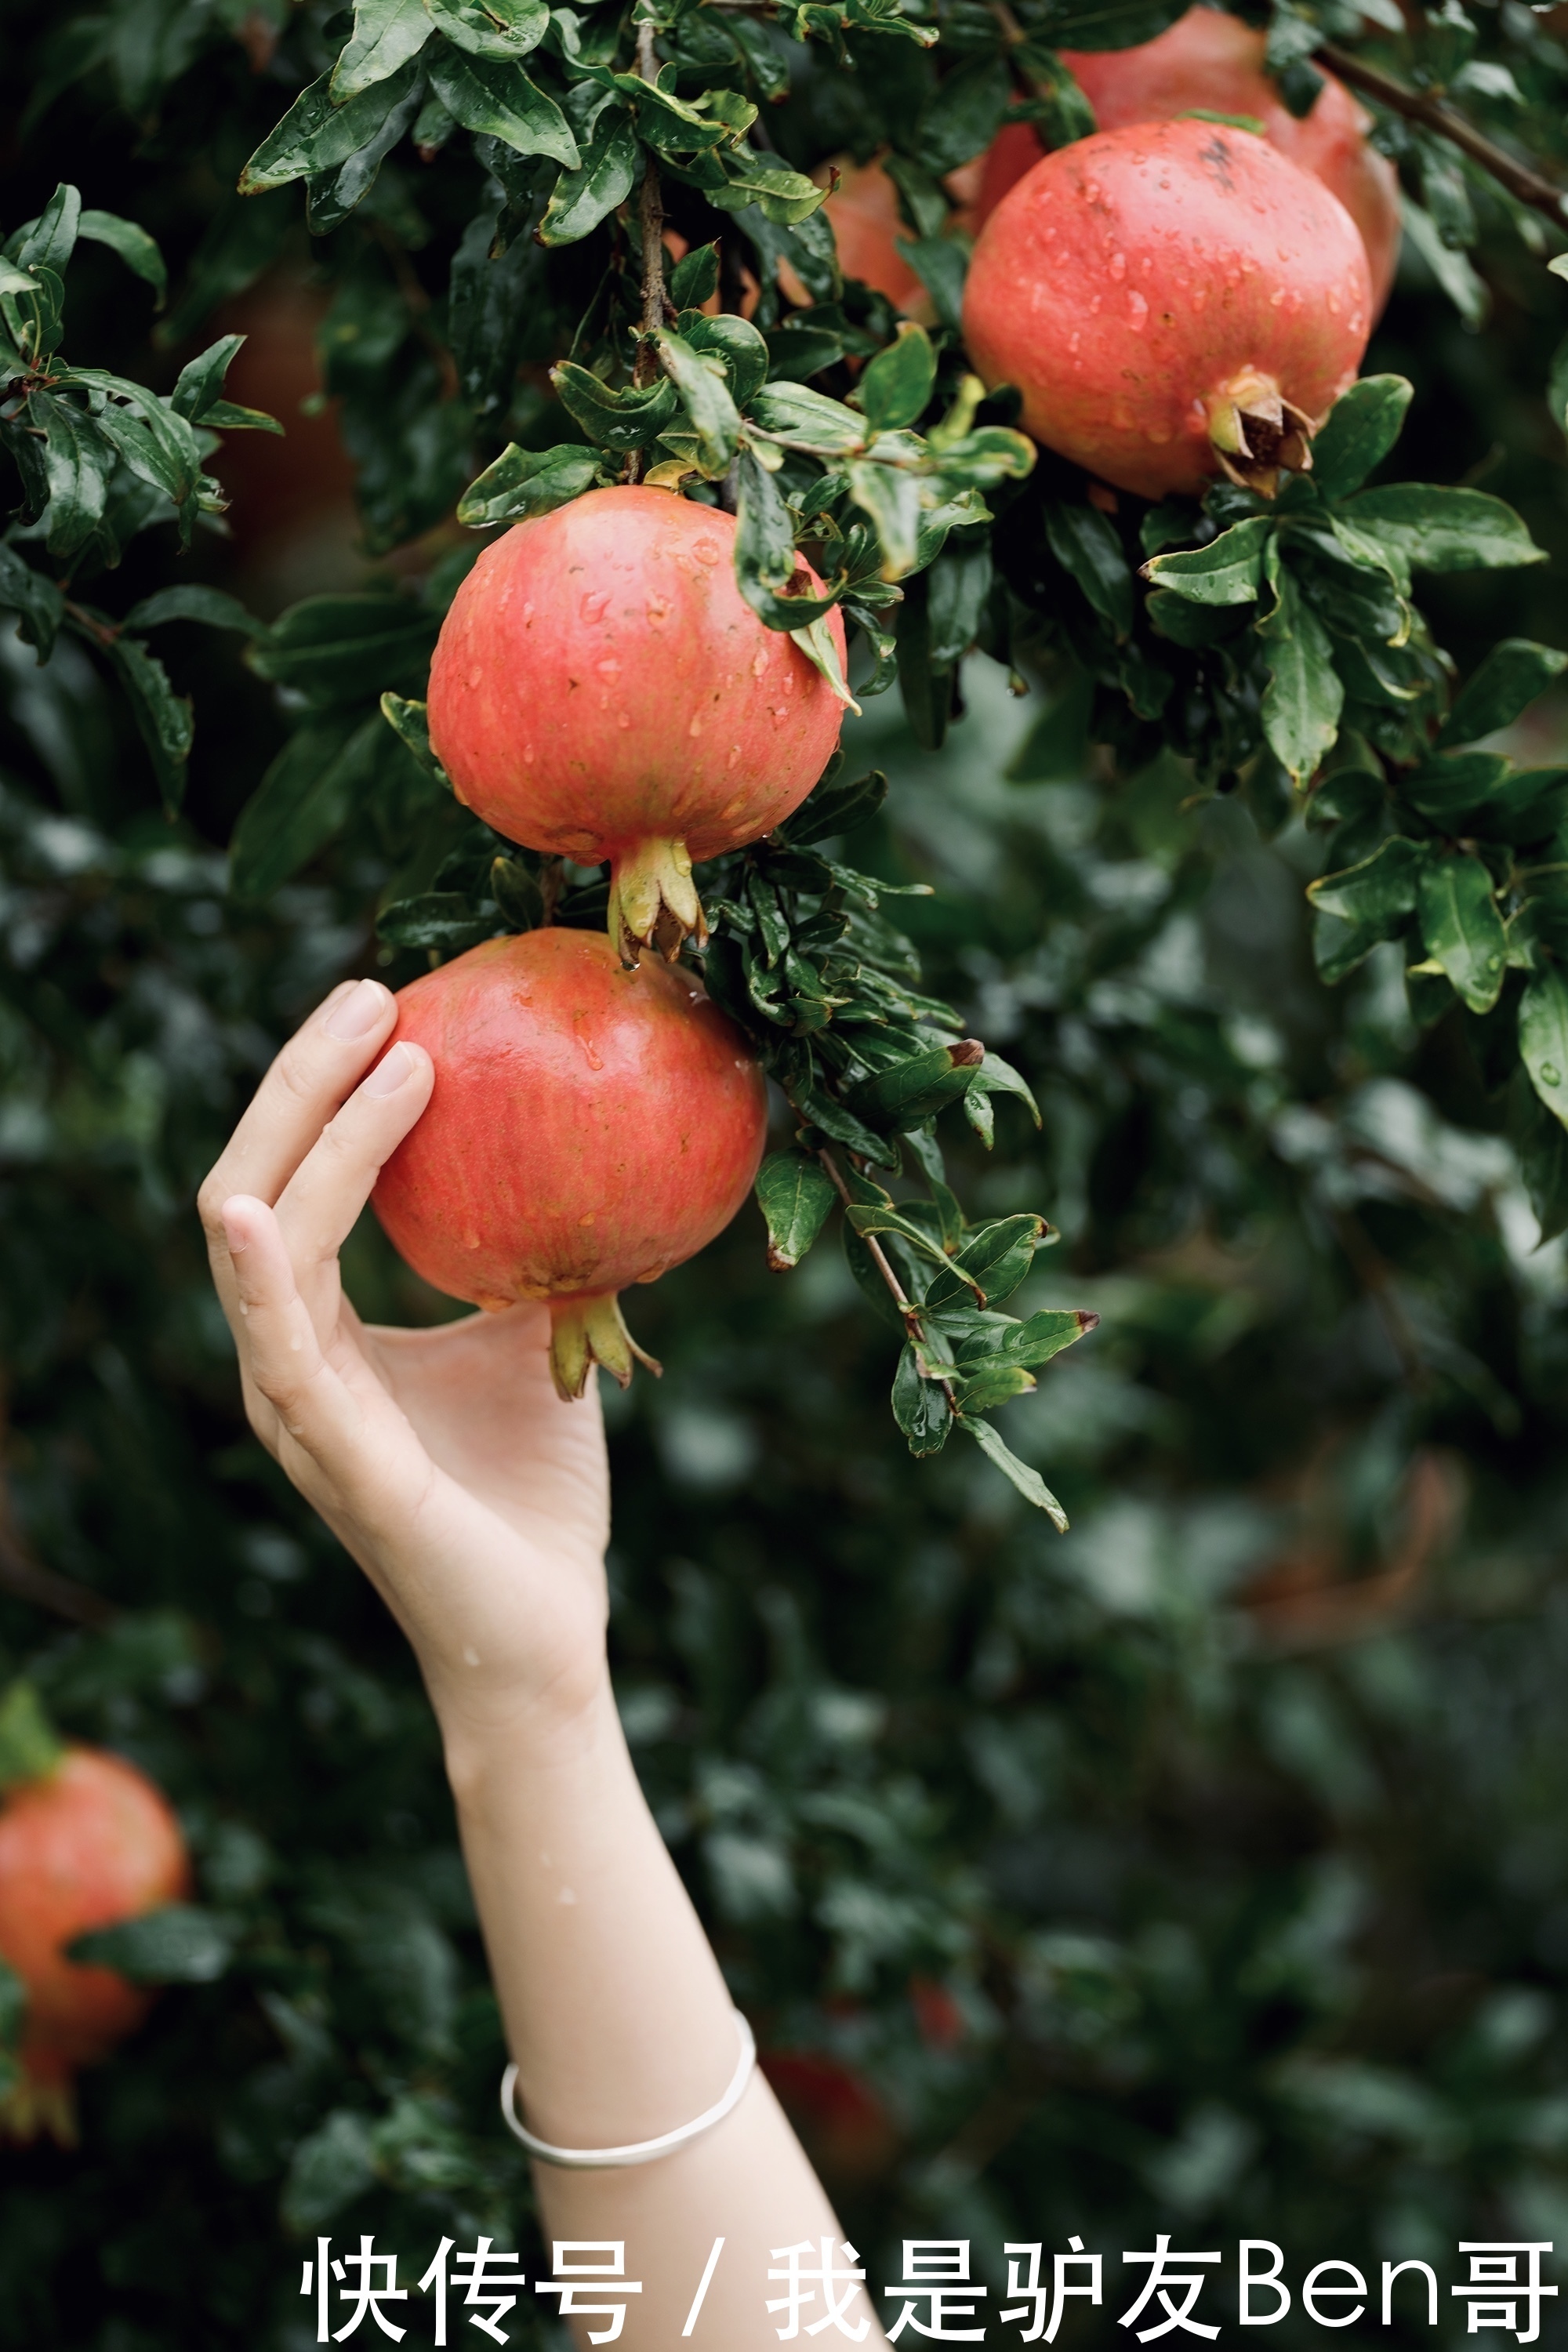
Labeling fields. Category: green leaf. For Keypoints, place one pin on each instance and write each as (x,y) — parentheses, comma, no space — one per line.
(136,249)
(1438,530)
(735,343)
(998,1257)
(316,135)
(892,499)
(77,462)
(580,200)
(1358,433)
(1086,544)
(779,194)
(695,277)
(832,807)
(49,242)
(1228,571)
(177,1943)
(795,1194)
(897,384)
(1462,928)
(803,419)
(942,265)
(1376,894)
(33,597)
(919,1405)
(339,648)
(300,803)
(765,558)
(1031,1343)
(410,722)
(30,1747)
(523,482)
(913,1090)
(330,195)
(193,601)
(618,421)
(705,396)
(386,33)
(491,28)
(163,716)
(446,920)
(1304,696)
(198,389)
(1029,1482)
(1543,1037)
(500,101)
(989,1384)
(965,112)
(1455,273)
(1507,682)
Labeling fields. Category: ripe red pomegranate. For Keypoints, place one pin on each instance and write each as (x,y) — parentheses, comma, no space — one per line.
(601,690)
(591,1126)
(85,1842)
(1209,61)
(1172,300)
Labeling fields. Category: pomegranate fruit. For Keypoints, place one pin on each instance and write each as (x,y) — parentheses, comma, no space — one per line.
(1209,61)
(86,1841)
(601,690)
(1172,300)
(591,1126)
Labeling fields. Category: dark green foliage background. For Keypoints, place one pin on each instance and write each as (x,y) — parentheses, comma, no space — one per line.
(1241,1938)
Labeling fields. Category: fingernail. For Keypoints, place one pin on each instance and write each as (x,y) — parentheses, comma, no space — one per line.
(358,1014)
(236,1241)
(394,1070)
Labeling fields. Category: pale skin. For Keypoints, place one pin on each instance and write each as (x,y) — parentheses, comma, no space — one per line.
(477,1505)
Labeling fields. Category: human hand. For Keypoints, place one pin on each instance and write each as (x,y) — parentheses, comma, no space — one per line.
(475,1500)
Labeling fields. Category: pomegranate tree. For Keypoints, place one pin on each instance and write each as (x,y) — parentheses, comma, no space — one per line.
(591,1126)
(1172,300)
(1208,61)
(601,690)
(86,1841)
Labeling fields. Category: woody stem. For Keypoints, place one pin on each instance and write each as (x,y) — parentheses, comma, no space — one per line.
(913,1322)
(1436,115)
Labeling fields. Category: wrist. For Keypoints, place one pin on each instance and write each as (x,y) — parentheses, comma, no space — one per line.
(490,1738)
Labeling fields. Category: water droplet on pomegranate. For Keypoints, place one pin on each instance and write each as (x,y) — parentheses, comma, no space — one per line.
(1119,265)
(588,1220)
(1137,313)
(594,604)
(594,1062)
(706,551)
(609,669)
(1333,303)
(623,720)
(759,661)
(470,1241)
(1276,298)
(528,615)
(696,727)
(528,755)
(476,675)
(656,610)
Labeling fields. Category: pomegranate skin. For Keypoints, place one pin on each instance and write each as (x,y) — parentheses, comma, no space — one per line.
(1210,60)
(86,1845)
(590,1126)
(600,681)
(1131,283)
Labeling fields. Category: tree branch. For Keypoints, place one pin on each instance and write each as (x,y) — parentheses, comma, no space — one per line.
(913,1322)
(651,221)
(1436,115)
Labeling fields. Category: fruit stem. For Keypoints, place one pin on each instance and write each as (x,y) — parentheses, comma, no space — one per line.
(588,1331)
(30,1747)
(31,2106)
(653,901)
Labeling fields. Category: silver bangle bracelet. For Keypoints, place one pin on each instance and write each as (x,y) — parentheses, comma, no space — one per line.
(642,2151)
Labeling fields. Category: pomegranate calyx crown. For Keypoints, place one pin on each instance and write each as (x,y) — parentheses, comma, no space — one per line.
(654,901)
(1256,434)
(588,1331)
(30,1748)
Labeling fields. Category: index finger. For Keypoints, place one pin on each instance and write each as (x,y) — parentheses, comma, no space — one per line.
(306,1085)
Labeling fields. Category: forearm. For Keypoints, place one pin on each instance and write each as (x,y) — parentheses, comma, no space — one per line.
(622,2027)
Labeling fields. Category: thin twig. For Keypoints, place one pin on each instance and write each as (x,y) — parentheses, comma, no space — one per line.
(913,1322)
(1436,115)
(650,220)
